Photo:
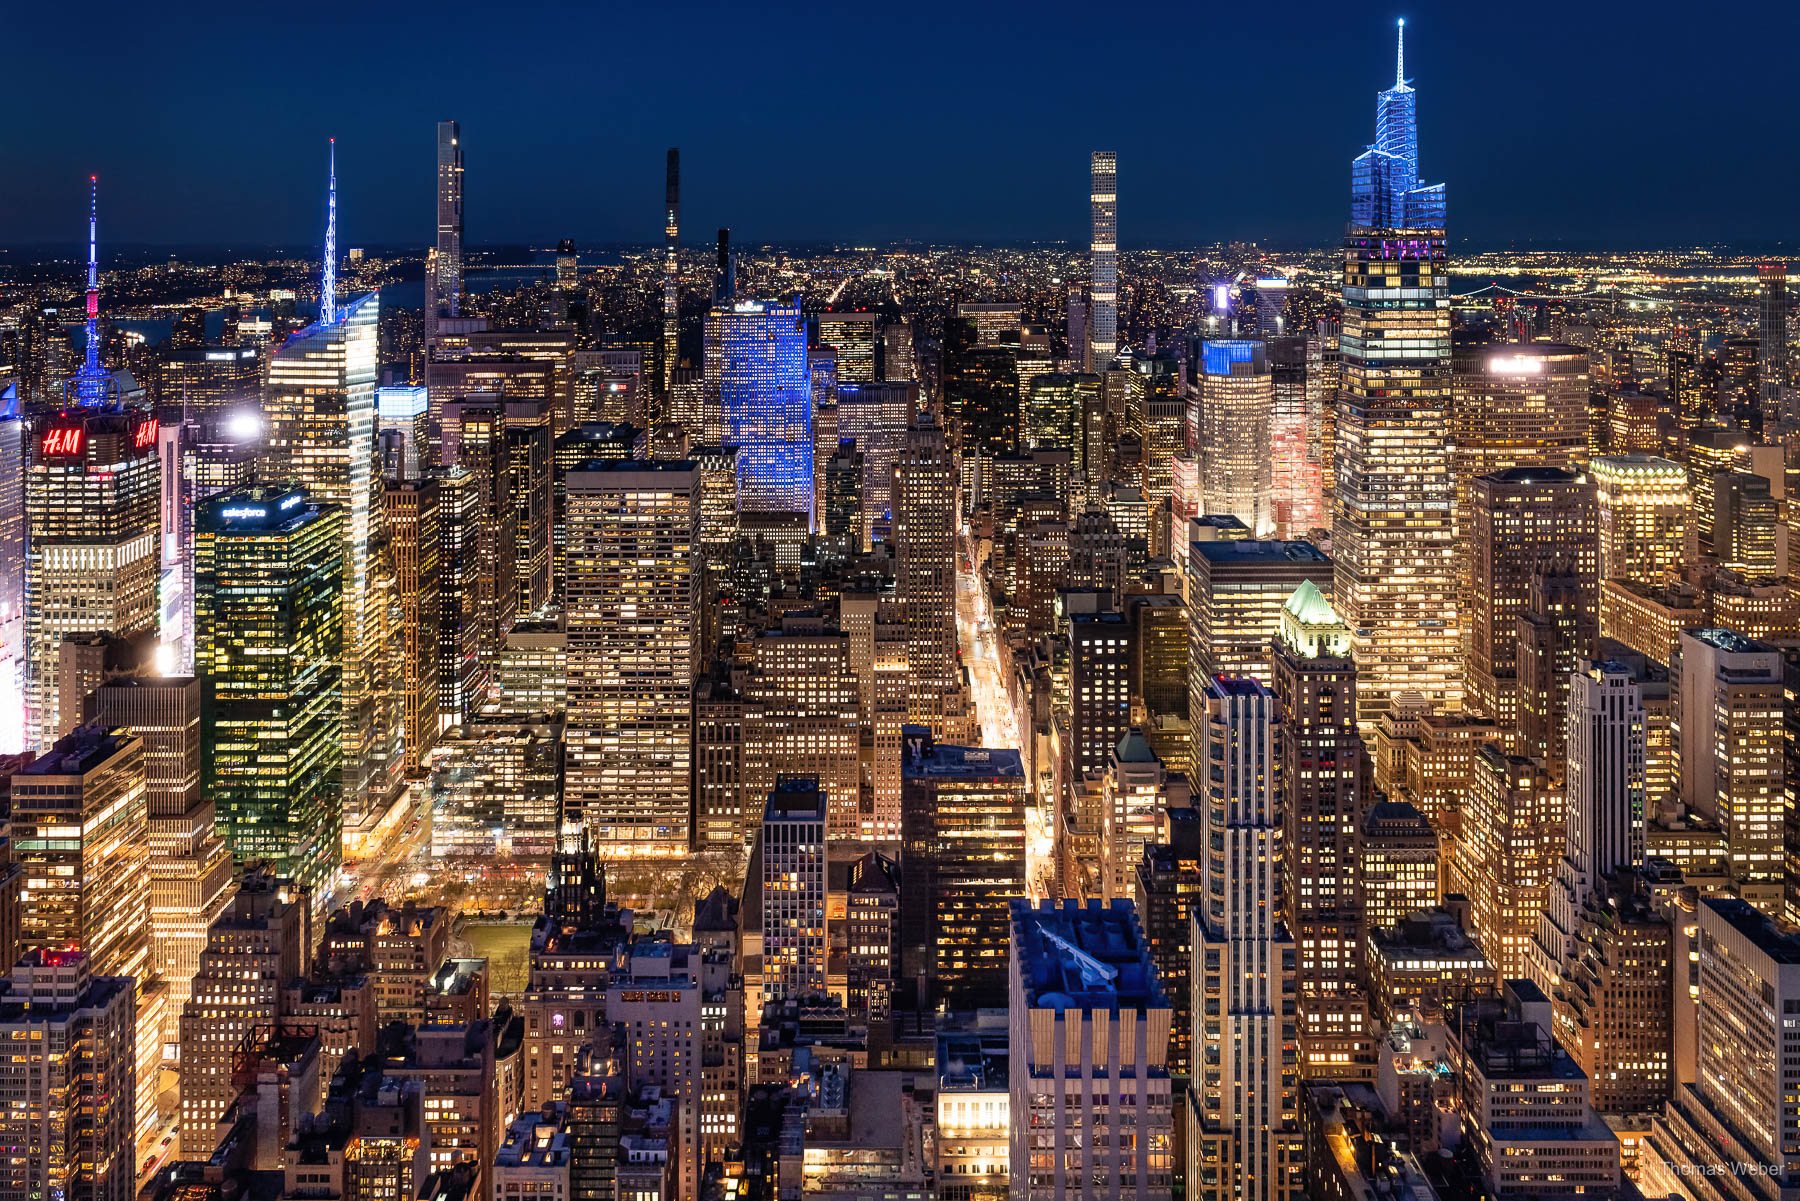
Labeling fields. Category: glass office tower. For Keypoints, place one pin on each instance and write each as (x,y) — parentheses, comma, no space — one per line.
(1393,539)
(269,610)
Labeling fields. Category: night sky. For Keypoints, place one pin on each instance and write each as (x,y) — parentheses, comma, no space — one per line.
(1613,122)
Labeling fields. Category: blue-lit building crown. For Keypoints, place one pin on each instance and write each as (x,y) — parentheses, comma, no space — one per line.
(1217,357)
(1385,189)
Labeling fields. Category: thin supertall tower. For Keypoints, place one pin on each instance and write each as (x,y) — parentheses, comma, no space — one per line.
(671,269)
(1772,346)
(1392,539)
(92,385)
(446,273)
(1103,318)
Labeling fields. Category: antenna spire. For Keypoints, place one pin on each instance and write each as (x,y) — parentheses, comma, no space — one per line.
(1400,57)
(91,385)
(328,313)
(93,281)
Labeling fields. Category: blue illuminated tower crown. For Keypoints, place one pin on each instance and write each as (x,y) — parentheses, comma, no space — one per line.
(1385,190)
(93,385)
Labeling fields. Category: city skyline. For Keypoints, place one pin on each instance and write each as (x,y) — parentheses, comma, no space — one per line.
(952,722)
(537,175)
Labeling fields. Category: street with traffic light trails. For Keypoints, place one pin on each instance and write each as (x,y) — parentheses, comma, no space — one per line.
(980,643)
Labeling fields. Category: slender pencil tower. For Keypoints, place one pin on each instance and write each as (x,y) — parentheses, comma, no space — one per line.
(671,269)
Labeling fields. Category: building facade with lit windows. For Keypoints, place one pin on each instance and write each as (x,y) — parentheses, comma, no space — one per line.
(1523,522)
(93,553)
(319,414)
(1729,726)
(1393,540)
(962,828)
(633,611)
(462,673)
(1512,829)
(1243,1118)
(793,891)
(1103,247)
(1644,508)
(417,541)
(1520,404)
(1314,681)
(1236,399)
(268,627)
(71,1076)
(756,354)
(1089,1095)
(924,512)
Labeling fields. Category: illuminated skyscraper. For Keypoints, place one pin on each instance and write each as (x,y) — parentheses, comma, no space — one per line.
(206,456)
(633,628)
(253,948)
(805,719)
(462,675)
(756,352)
(475,439)
(1512,831)
(1089,1077)
(1772,346)
(1237,402)
(81,827)
(962,829)
(91,495)
(924,509)
(445,279)
(528,461)
(1643,506)
(897,361)
(1103,245)
(1243,1119)
(1605,811)
(793,891)
(1392,539)
(1518,405)
(268,634)
(1385,189)
(13,438)
(1297,488)
(855,336)
(189,864)
(1315,685)
(400,411)
(1522,521)
(320,417)
(671,309)
(1728,720)
(876,417)
(81,830)
(71,1136)
(414,521)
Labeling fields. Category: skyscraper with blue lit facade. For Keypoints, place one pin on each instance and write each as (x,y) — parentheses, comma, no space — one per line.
(1392,542)
(757,352)
(1385,189)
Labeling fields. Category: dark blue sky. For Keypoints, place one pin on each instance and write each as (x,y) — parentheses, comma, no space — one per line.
(1618,121)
